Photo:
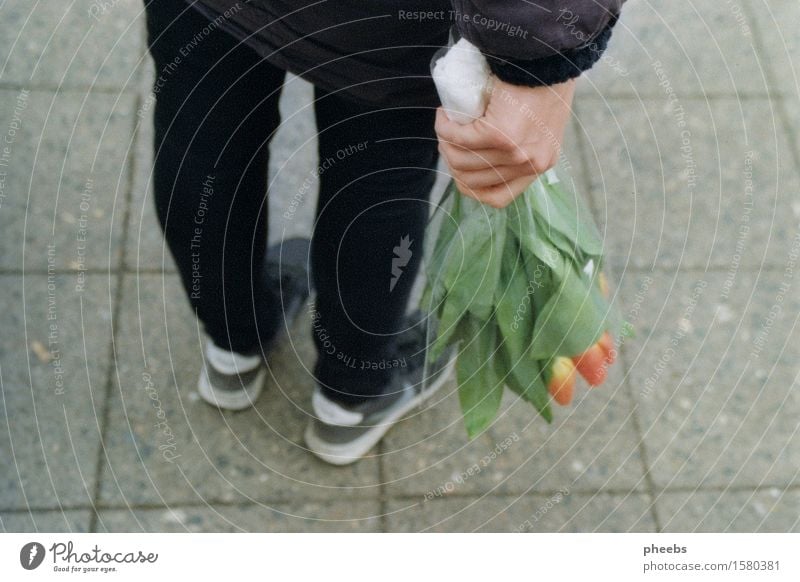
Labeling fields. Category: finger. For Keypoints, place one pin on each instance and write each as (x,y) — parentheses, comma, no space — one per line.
(503,194)
(498,196)
(464,160)
(535,156)
(492,176)
(477,135)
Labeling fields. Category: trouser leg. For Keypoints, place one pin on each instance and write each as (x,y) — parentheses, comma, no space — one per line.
(377,169)
(216,109)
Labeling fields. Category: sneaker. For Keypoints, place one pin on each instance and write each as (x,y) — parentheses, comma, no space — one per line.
(234,381)
(229,380)
(341,434)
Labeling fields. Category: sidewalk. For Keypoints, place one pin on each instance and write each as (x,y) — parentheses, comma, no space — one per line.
(685,139)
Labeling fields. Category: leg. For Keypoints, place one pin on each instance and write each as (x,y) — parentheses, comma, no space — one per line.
(216,110)
(377,169)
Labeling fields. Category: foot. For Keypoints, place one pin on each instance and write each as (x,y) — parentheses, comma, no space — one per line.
(229,380)
(341,434)
(233,381)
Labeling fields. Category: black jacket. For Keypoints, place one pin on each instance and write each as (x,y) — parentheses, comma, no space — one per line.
(379,51)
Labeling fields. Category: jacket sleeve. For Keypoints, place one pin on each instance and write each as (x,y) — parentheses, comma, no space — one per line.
(537,42)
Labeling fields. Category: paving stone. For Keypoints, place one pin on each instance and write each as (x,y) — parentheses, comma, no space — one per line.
(720,195)
(714,377)
(45,521)
(558,512)
(702,48)
(66,178)
(294,516)
(591,445)
(146,248)
(772,510)
(54,352)
(792,112)
(84,43)
(168,446)
(428,453)
(775,23)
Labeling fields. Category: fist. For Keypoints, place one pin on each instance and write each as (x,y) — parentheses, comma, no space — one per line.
(495,158)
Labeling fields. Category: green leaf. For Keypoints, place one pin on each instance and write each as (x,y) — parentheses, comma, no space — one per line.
(479,390)
(447,226)
(472,265)
(527,380)
(571,321)
(445,221)
(483,302)
(514,301)
(567,214)
(523,378)
(429,301)
(531,238)
(469,236)
(567,247)
(446,327)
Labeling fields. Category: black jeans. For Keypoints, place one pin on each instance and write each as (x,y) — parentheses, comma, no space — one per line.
(216,110)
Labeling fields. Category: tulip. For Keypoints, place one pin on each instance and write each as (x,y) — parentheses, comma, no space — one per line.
(592,365)
(562,381)
(607,344)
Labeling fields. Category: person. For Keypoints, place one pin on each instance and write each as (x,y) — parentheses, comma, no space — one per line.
(220,66)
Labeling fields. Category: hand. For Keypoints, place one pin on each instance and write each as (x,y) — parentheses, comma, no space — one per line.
(494,158)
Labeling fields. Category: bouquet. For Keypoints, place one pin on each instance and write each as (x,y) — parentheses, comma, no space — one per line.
(520,290)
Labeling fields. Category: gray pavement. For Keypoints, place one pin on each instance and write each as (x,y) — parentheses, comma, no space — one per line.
(686,142)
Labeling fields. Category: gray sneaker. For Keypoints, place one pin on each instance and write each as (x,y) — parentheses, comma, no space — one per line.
(229,380)
(341,434)
(235,381)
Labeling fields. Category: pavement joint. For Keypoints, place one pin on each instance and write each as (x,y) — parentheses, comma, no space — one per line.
(116,313)
(772,79)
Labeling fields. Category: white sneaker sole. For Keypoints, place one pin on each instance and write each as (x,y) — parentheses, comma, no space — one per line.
(231,399)
(346,454)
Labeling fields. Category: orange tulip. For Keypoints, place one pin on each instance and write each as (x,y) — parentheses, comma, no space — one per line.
(592,365)
(607,344)
(562,381)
